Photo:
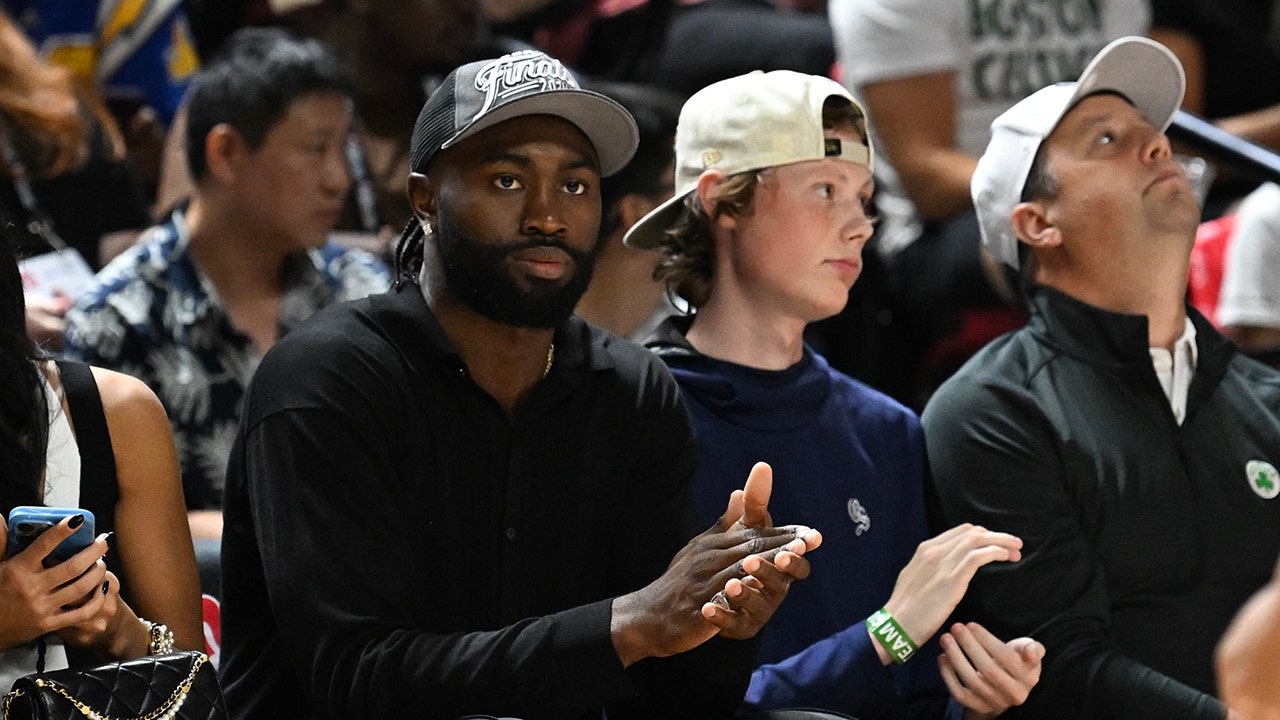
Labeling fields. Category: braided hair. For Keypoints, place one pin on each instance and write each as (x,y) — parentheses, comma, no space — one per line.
(408,255)
(24,422)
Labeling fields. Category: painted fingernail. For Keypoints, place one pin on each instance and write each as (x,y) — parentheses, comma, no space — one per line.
(76,521)
(106,584)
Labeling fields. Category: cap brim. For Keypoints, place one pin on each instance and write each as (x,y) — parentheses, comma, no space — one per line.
(1140,69)
(647,233)
(607,125)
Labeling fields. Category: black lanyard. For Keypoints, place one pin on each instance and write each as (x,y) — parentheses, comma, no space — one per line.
(366,201)
(39,224)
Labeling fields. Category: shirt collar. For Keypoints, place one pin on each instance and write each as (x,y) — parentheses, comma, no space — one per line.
(306,287)
(577,343)
(1119,340)
(1090,333)
(1175,368)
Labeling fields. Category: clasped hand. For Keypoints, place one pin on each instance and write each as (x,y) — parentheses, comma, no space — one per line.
(983,673)
(742,556)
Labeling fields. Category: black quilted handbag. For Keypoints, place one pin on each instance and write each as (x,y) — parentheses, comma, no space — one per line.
(181,686)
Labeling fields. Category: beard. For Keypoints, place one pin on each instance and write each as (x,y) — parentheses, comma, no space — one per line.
(477,275)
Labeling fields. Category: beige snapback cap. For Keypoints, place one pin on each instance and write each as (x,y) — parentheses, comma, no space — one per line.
(749,122)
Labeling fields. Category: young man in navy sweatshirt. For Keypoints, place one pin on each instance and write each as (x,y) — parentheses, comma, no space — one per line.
(765,235)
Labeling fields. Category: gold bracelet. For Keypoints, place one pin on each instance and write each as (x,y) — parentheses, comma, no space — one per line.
(161,642)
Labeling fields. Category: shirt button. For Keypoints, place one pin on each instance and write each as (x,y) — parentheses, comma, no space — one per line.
(511,533)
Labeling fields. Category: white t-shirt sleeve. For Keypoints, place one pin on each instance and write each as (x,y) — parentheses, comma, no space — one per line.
(1250,295)
(889,39)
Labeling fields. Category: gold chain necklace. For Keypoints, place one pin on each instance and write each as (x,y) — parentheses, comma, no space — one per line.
(551,356)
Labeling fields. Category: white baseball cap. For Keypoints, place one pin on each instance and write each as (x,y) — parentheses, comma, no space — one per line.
(1145,72)
(749,122)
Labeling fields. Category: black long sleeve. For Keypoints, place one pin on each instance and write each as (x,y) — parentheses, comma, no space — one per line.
(395,541)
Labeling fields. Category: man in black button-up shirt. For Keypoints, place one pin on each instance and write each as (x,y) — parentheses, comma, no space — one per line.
(456,498)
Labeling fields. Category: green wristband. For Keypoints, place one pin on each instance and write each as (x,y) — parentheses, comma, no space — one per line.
(891,636)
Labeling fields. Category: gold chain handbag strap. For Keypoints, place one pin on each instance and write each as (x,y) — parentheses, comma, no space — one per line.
(8,700)
(167,710)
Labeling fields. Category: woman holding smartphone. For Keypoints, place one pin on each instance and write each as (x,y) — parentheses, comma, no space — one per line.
(90,607)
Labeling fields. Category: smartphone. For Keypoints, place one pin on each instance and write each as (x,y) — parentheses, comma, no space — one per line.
(26,522)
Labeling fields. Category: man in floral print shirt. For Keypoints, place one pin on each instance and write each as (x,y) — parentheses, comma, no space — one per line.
(193,306)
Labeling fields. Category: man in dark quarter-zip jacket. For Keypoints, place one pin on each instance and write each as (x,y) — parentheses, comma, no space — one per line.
(1119,434)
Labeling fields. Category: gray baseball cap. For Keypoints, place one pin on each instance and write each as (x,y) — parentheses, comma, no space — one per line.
(484,93)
